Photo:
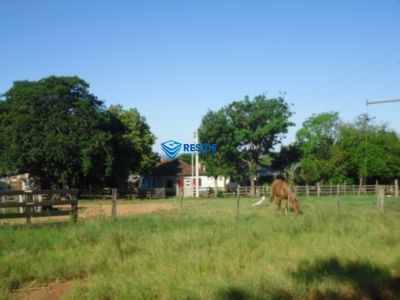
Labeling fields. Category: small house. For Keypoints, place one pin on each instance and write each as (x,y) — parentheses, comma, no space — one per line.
(177,174)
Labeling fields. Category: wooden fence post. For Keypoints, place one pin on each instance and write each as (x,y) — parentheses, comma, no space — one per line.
(40,199)
(114,204)
(237,202)
(381,198)
(28,212)
(318,189)
(29,209)
(330,189)
(396,188)
(288,201)
(3,200)
(74,207)
(307,191)
(345,188)
(21,200)
(337,195)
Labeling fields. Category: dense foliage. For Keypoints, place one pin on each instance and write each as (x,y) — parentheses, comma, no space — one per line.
(245,131)
(64,136)
(61,134)
(336,151)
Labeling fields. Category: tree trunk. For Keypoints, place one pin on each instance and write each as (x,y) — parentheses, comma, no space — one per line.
(360,185)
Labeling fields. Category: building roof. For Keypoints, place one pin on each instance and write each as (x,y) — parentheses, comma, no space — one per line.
(174,167)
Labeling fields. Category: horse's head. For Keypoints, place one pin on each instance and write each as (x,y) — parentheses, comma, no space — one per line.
(295,203)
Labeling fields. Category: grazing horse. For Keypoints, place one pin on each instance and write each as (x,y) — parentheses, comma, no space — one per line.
(280,191)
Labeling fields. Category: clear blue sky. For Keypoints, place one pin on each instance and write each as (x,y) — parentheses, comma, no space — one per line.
(174,60)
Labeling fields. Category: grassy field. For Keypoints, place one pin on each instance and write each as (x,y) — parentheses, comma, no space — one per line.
(326,252)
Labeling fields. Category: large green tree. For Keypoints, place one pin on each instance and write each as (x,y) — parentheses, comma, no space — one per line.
(246,131)
(61,134)
(316,140)
(216,129)
(370,151)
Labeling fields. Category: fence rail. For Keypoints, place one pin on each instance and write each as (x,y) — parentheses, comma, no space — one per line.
(317,190)
(320,190)
(106,193)
(38,203)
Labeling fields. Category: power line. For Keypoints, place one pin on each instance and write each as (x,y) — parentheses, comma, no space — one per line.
(364,78)
(350,74)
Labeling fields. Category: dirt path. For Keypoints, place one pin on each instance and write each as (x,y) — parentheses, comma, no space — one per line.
(52,291)
(89,210)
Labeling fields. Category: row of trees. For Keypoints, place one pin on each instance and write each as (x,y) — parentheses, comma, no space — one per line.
(335,151)
(57,131)
(63,135)
(326,148)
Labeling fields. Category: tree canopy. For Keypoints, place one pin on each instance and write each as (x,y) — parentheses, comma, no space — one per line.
(245,132)
(315,140)
(61,134)
(336,151)
(139,135)
(370,150)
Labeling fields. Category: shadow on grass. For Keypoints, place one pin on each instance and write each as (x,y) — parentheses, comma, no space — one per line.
(234,293)
(368,281)
(239,293)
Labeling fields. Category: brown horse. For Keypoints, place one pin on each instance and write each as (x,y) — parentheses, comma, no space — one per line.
(280,191)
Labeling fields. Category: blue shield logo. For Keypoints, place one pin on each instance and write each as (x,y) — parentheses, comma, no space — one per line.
(171,148)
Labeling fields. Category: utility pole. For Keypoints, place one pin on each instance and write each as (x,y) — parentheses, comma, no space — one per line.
(382,101)
(197,166)
(192,166)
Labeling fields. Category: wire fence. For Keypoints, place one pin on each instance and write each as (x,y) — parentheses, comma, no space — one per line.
(316,190)
(320,190)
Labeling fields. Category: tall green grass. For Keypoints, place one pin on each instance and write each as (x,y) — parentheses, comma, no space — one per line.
(327,252)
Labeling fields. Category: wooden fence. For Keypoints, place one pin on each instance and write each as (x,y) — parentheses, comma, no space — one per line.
(317,190)
(106,193)
(323,190)
(39,203)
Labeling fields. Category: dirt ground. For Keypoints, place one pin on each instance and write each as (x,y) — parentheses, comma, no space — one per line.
(55,290)
(89,210)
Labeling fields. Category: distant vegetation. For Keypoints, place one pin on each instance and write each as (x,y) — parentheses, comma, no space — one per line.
(326,149)
(336,151)
(64,136)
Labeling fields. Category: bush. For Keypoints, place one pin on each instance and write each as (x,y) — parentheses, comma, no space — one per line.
(220,194)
